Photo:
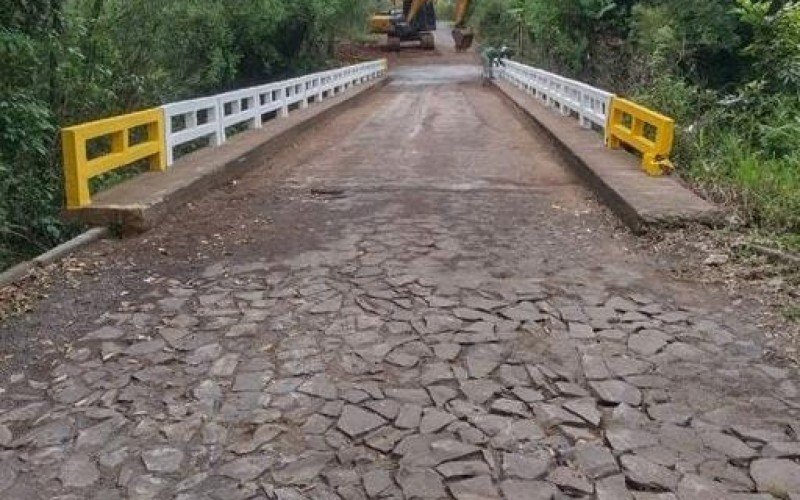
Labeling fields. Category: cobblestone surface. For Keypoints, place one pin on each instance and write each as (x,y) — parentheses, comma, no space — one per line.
(462,324)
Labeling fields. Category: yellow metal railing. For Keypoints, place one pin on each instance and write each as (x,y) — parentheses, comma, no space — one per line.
(648,132)
(129,138)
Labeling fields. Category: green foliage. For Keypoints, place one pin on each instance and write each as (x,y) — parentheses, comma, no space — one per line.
(69,61)
(445,10)
(694,38)
(556,34)
(728,71)
(27,219)
(775,47)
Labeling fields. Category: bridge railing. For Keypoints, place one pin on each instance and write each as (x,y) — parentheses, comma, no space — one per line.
(622,122)
(590,104)
(238,108)
(181,124)
(188,121)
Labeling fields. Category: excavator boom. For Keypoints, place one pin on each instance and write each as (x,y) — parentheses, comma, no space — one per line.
(460,13)
(462,36)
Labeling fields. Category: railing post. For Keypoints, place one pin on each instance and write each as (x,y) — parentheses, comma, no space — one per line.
(215,116)
(303,94)
(158,162)
(255,103)
(614,118)
(75,182)
(319,95)
(221,122)
(584,120)
(285,104)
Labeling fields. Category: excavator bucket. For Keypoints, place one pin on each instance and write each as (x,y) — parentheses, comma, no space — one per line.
(463,38)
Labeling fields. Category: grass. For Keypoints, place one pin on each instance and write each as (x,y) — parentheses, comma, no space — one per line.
(765,190)
(745,155)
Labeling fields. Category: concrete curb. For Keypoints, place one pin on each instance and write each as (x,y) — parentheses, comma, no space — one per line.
(16,273)
(63,249)
(640,201)
(22,269)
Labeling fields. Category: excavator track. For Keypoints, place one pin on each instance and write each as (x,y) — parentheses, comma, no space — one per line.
(393,43)
(427,41)
(463,38)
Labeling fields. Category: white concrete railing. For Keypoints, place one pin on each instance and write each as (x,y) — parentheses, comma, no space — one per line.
(186,121)
(210,117)
(568,96)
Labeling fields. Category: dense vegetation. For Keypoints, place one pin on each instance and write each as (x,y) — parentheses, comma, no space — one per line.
(727,70)
(68,61)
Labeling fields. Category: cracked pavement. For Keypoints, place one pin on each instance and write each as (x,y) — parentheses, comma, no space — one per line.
(436,310)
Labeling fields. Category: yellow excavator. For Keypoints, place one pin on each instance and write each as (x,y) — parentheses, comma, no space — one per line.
(415,20)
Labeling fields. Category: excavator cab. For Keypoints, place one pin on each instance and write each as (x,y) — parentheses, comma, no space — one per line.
(417,21)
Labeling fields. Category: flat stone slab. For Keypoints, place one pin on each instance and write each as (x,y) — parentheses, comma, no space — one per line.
(142,202)
(227,378)
(640,200)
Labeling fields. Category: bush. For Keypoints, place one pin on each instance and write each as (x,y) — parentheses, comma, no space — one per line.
(69,61)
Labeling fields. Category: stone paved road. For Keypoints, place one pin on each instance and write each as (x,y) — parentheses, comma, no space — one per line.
(436,310)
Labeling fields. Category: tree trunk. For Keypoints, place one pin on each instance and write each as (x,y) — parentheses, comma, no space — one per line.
(57,31)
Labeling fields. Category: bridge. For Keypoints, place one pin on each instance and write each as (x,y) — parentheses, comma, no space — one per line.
(404,282)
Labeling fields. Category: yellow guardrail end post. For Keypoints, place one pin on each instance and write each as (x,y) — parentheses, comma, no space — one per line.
(655,150)
(158,162)
(76,185)
(78,168)
(666,137)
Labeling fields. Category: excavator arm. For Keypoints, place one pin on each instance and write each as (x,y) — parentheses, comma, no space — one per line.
(462,6)
(462,35)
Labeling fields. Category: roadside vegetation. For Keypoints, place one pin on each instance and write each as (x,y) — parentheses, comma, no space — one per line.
(728,71)
(67,61)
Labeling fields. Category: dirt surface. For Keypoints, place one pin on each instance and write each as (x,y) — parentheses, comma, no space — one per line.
(416,300)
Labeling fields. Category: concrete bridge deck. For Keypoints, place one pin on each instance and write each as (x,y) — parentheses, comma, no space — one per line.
(416,300)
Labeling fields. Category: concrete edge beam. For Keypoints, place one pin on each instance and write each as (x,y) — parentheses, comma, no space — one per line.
(640,201)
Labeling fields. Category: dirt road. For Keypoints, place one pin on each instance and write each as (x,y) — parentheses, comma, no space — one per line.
(417,300)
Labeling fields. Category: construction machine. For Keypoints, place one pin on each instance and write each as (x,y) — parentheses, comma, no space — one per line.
(415,21)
